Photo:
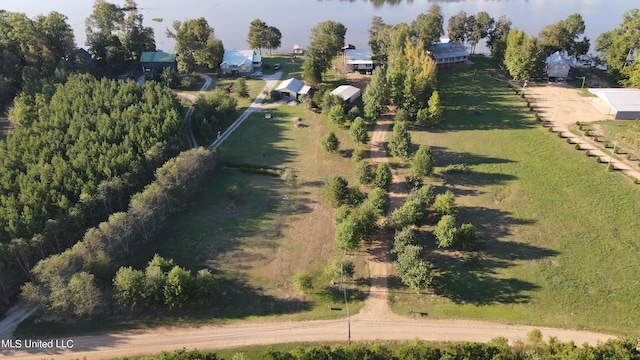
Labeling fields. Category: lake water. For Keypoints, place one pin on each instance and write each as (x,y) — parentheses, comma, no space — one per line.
(295,18)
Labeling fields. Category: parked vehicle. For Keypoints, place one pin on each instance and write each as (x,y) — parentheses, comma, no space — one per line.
(276,66)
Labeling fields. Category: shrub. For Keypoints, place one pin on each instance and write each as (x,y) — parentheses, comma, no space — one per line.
(341,214)
(414,181)
(302,281)
(335,191)
(383,176)
(455,169)
(358,154)
(378,200)
(422,162)
(363,173)
(445,204)
(336,115)
(588,153)
(330,142)
(466,236)
(577,146)
(446,231)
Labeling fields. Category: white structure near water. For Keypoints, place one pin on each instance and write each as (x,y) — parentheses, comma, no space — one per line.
(623,103)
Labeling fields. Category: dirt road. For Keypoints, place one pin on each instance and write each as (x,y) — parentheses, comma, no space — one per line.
(374,322)
(561,106)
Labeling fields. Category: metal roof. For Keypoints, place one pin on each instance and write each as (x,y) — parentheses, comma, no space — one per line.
(447,50)
(557,58)
(294,85)
(157,57)
(240,57)
(346,92)
(355,57)
(620,99)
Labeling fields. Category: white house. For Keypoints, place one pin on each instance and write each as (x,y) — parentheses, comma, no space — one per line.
(240,62)
(358,60)
(347,92)
(291,88)
(558,66)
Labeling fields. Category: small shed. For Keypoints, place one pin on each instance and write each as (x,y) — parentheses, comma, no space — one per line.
(291,88)
(347,92)
(559,66)
(623,103)
(157,60)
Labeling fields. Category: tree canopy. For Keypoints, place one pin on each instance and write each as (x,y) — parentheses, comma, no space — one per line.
(33,53)
(116,34)
(326,39)
(563,35)
(619,48)
(196,44)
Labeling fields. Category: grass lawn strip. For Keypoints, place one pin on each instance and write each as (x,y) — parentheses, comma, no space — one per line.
(560,236)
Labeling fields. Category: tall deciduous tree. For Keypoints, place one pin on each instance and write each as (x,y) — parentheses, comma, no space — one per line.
(457,27)
(429,27)
(376,95)
(358,131)
(497,41)
(326,39)
(196,44)
(400,141)
(136,38)
(523,57)
(273,38)
(257,35)
(619,48)
(479,28)
(563,35)
(422,162)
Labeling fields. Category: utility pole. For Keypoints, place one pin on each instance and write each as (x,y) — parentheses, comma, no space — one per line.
(346,303)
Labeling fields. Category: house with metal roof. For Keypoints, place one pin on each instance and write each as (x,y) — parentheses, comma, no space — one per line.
(291,88)
(240,62)
(157,60)
(623,103)
(347,92)
(558,66)
(358,60)
(449,55)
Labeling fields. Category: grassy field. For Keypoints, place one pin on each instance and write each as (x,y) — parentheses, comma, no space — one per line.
(559,233)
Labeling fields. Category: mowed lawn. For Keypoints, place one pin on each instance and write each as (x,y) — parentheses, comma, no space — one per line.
(257,231)
(560,235)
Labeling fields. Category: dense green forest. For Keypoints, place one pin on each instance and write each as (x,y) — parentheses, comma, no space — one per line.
(76,156)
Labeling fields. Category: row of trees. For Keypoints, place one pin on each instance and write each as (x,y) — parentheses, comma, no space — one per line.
(408,80)
(262,35)
(63,283)
(162,283)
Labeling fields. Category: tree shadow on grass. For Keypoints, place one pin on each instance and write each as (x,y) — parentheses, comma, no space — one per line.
(443,156)
(239,300)
(473,278)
